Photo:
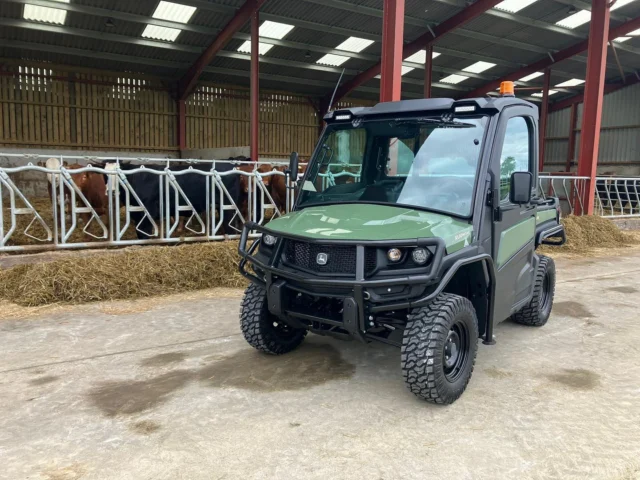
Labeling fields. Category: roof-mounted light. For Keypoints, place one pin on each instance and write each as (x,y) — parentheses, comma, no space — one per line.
(465,109)
(507,89)
(342,116)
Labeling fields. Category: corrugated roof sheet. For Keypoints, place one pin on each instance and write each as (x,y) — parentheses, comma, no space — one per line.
(326,20)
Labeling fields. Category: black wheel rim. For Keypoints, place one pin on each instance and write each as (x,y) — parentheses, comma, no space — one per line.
(455,352)
(544,294)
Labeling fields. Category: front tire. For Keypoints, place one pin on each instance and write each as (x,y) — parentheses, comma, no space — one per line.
(538,310)
(439,348)
(264,331)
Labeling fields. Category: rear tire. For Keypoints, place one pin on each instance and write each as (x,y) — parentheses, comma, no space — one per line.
(439,348)
(264,331)
(538,310)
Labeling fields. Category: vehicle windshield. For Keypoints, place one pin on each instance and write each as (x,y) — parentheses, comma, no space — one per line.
(423,163)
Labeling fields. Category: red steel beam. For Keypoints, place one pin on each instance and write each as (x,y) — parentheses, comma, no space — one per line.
(544,113)
(572,51)
(392,43)
(428,71)
(189,79)
(593,99)
(254,87)
(429,38)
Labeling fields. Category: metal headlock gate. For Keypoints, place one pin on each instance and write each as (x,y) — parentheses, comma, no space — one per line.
(62,215)
(615,197)
(68,205)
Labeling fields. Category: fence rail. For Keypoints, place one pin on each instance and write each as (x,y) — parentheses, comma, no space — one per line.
(231,192)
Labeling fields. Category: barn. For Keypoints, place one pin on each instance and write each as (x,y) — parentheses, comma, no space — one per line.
(138,138)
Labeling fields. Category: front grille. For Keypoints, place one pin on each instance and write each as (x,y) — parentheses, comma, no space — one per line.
(341,259)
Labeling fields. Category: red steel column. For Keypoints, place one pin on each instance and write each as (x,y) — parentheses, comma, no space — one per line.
(593,97)
(573,123)
(544,113)
(392,47)
(182,126)
(255,87)
(428,71)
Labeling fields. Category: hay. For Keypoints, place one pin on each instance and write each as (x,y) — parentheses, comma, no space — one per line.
(589,234)
(136,273)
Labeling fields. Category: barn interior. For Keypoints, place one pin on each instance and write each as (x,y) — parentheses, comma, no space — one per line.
(121,351)
(174,79)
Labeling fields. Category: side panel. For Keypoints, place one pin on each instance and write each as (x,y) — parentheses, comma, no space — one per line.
(514,239)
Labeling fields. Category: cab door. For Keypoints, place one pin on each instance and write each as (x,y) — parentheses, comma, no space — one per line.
(515,149)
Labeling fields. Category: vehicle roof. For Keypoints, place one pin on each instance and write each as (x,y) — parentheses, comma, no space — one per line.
(483,104)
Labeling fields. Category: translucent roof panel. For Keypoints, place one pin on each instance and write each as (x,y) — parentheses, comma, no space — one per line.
(354,44)
(174,12)
(454,79)
(531,76)
(277,30)
(539,94)
(620,3)
(263,48)
(333,60)
(479,67)
(420,56)
(45,14)
(514,6)
(575,20)
(571,83)
(161,33)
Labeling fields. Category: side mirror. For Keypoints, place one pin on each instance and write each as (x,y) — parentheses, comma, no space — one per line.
(293,166)
(521,185)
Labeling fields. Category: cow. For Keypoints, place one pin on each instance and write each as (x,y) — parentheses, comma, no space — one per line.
(276,185)
(91,184)
(146,185)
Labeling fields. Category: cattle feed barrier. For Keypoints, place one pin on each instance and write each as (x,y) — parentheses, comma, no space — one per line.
(70,210)
(69,218)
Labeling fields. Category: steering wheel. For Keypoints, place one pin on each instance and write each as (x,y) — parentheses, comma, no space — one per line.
(452,191)
(442,194)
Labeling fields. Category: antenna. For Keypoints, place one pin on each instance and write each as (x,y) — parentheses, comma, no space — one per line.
(335,90)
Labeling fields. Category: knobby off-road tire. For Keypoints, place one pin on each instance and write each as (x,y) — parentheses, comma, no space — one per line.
(262,330)
(538,310)
(428,365)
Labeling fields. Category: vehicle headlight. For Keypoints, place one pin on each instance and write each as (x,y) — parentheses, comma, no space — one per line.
(269,240)
(394,255)
(420,255)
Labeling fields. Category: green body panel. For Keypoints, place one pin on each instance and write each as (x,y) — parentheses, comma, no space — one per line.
(544,215)
(514,238)
(373,222)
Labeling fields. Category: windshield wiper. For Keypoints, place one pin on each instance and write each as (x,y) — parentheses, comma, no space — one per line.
(439,122)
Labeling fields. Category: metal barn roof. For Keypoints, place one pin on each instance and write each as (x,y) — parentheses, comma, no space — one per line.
(107,34)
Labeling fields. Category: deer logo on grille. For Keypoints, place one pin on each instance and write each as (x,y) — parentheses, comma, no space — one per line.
(322,259)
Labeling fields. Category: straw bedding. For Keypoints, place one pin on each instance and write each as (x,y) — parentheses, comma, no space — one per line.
(138,272)
(151,271)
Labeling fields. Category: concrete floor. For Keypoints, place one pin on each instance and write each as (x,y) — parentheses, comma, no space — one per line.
(175,393)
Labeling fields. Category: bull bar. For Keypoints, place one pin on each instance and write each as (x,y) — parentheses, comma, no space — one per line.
(355,303)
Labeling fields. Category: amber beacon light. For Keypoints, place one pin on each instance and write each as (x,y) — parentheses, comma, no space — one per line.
(507,89)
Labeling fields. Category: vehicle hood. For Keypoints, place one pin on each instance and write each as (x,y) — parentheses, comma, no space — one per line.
(373,222)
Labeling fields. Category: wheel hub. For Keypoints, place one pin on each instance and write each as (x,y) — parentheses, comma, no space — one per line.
(451,349)
(455,351)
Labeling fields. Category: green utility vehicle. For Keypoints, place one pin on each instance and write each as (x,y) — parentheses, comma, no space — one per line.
(427,247)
